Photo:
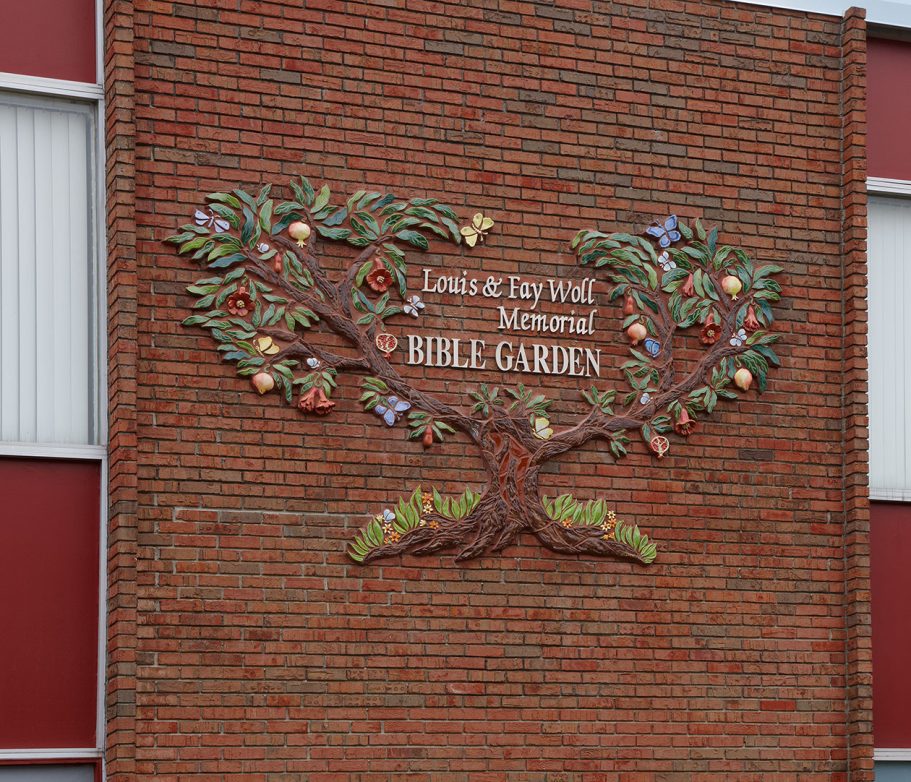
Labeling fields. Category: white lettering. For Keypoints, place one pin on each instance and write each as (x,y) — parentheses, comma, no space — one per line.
(540,353)
(415,349)
(542,323)
(503,359)
(445,352)
(592,362)
(548,359)
(456,285)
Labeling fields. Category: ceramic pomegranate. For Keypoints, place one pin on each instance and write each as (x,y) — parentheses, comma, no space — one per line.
(636,333)
(660,446)
(263,382)
(386,342)
(743,379)
(731,285)
(300,232)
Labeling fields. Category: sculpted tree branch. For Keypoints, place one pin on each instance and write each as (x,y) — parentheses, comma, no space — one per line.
(271,302)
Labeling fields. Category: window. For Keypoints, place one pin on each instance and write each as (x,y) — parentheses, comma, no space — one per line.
(889,296)
(888,772)
(48,295)
(889,352)
(51,430)
(42,773)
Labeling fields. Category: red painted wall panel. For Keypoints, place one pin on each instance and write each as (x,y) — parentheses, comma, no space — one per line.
(49,530)
(51,38)
(890,576)
(888,109)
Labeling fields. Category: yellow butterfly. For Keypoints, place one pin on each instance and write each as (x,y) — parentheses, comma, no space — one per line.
(542,428)
(267,346)
(479,227)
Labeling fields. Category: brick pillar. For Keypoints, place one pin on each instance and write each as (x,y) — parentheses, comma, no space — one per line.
(120,700)
(857,507)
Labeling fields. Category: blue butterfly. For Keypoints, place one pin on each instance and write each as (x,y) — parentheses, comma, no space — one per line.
(392,410)
(652,346)
(665,234)
(738,338)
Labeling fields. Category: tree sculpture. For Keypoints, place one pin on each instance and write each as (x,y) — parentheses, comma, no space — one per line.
(270,298)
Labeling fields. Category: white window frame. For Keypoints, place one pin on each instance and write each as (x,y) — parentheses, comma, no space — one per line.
(890,187)
(882,186)
(49,755)
(894,187)
(94,93)
(886,755)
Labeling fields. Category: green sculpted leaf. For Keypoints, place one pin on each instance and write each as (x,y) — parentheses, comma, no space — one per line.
(638,541)
(322,198)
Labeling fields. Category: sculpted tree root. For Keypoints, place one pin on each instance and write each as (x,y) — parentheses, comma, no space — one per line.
(268,300)
(491,527)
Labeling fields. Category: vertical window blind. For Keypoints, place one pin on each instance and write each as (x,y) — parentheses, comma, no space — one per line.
(889,351)
(48,278)
(66,773)
(892,772)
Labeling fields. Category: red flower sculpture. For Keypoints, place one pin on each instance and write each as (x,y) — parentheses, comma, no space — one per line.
(688,289)
(315,401)
(380,278)
(711,332)
(239,302)
(684,426)
(750,322)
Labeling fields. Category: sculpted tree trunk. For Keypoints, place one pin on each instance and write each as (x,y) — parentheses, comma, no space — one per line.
(270,299)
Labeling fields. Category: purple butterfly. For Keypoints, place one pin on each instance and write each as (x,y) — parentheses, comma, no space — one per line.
(392,410)
(665,234)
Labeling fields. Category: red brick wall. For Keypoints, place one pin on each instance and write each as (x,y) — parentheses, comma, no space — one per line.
(260,650)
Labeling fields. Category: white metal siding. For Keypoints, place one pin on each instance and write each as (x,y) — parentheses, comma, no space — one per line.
(48,356)
(889,298)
